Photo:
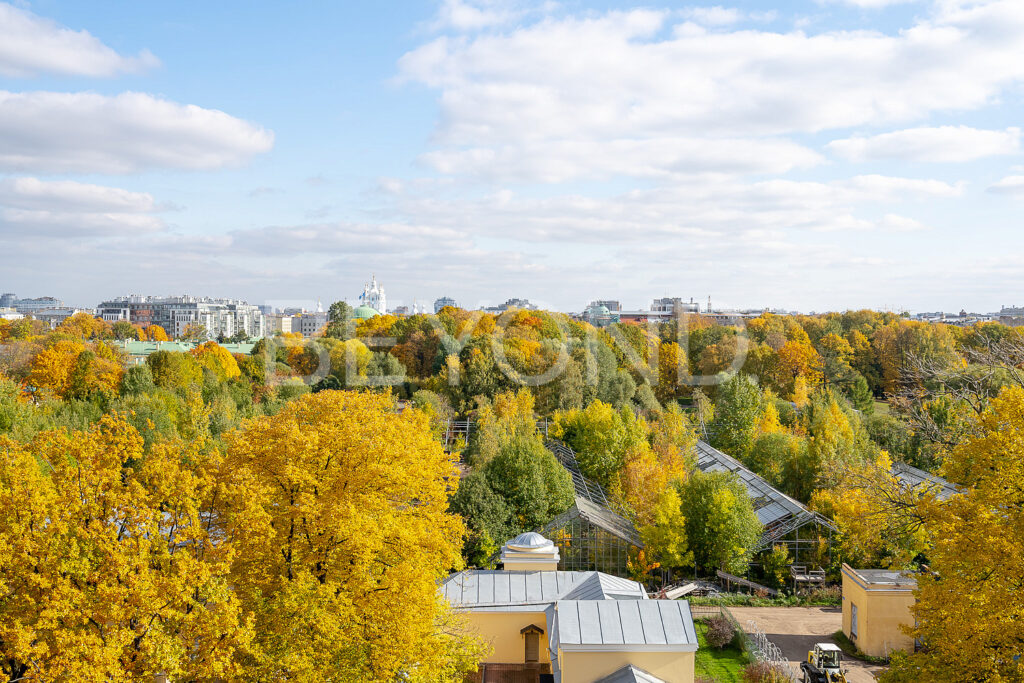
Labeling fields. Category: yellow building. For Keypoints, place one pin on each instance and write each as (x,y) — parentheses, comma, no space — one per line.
(571,627)
(876,603)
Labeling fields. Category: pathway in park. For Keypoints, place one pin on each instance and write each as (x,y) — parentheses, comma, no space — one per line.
(795,630)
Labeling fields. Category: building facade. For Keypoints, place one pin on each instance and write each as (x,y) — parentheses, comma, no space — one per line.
(226,317)
(570,626)
(444,301)
(876,607)
(27,306)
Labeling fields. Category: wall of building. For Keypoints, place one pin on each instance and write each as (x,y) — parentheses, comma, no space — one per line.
(881,612)
(586,667)
(501,630)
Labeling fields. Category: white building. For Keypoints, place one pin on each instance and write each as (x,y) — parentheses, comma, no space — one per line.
(373,296)
(444,301)
(175,313)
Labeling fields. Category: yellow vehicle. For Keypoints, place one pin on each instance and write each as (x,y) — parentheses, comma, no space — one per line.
(823,665)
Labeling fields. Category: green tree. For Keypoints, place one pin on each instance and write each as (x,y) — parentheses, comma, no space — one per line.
(530,480)
(737,409)
(489,519)
(721,525)
(340,324)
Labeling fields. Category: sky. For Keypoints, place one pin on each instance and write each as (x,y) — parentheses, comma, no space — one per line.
(806,155)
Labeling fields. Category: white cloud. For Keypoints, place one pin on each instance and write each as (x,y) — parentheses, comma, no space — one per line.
(72,209)
(869,4)
(1012,185)
(562,160)
(30,44)
(85,132)
(939,144)
(700,211)
(723,16)
(474,15)
(620,74)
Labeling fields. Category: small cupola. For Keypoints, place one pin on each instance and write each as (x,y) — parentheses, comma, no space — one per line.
(529,552)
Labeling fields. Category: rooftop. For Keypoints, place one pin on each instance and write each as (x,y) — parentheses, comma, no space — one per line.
(639,624)
(630,674)
(497,590)
(882,577)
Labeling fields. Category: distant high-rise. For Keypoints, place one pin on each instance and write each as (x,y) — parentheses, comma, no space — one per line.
(225,317)
(24,306)
(444,301)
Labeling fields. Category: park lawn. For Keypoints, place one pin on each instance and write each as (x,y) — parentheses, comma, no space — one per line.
(723,665)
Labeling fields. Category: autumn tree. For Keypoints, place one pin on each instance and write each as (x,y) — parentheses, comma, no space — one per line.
(601,437)
(968,611)
(337,505)
(156,333)
(84,326)
(174,370)
(665,536)
(110,572)
(194,332)
(876,515)
(217,360)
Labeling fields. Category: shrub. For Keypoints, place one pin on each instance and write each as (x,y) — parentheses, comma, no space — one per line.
(720,632)
(763,672)
(826,595)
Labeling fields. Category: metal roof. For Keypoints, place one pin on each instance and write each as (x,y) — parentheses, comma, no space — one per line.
(912,477)
(630,674)
(777,512)
(625,624)
(497,590)
(885,577)
(591,503)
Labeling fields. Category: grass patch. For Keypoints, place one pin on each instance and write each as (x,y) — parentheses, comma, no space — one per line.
(723,665)
(881,408)
(851,650)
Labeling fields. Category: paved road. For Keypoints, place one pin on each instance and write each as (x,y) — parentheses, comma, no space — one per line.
(795,630)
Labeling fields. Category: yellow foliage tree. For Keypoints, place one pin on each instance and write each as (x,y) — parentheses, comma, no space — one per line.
(84,326)
(218,360)
(338,507)
(108,573)
(53,366)
(969,612)
(875,513)
(156,333)
(672,370)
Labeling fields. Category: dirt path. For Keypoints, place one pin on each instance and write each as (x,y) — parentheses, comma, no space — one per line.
(795,630)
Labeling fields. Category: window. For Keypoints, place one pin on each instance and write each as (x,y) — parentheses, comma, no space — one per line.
(853,620)
(532,646)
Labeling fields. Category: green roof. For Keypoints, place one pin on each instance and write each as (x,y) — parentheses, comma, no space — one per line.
(365,312)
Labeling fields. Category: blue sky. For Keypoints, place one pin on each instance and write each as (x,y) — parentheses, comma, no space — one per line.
(814,155)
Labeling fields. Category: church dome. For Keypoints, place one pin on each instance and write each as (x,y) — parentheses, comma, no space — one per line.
(364,313)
